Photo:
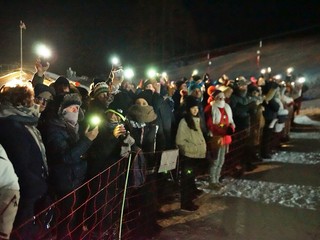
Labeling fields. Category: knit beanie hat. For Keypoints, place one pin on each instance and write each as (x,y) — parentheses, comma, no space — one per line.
(193,86)
(211,90)
(100,87)
(69,99)
(41,88)
(242,81)
(62,81)
(142,114)
(190,101)
(179,83)
(196,78)
(116,108)
(97,80)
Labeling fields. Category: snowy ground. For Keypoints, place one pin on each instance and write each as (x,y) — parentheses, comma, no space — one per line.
(305,120)
(307,197)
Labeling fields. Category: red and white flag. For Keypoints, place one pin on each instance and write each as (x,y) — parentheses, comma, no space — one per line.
(22,25)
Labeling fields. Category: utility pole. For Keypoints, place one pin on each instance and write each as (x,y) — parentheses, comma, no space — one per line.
(22,26)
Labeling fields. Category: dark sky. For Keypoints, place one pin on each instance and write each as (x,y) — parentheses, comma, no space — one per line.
(84,34)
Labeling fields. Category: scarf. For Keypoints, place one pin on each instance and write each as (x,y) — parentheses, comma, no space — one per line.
(70,117)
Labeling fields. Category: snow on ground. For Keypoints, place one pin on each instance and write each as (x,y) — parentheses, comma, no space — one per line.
(296,157)
(288,195)
(296,196)
(305,120)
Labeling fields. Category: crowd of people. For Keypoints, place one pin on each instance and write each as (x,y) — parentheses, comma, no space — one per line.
(50,144)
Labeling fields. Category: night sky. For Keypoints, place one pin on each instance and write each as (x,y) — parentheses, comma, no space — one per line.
(84,35)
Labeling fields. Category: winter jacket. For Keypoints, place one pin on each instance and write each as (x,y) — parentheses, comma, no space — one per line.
(203,125)
(65,149)
(213,118)
(37,79)
(241,106)
(165,119)
(271,107)
(8,178)
(191,143)
(145,136)
(17,136)
(104,151)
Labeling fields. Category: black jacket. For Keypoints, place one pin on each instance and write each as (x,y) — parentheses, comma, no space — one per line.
(24,153)
(67,169)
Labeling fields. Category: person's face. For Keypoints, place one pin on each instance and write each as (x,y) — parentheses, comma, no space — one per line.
(127,86)
(141,102)
(261,81)
(220,97)
(72,109)
(62,89)
(243,87)
(150,87)
(157,87)
(184,87)
(113,118)
(197,93)
(65,89)
(194,110)
(255,93)
(42,99)
(103,97)
(220,100)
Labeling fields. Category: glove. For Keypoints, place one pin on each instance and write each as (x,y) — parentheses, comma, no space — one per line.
(125,150)
(129,140)
(230,130)
(126,147)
